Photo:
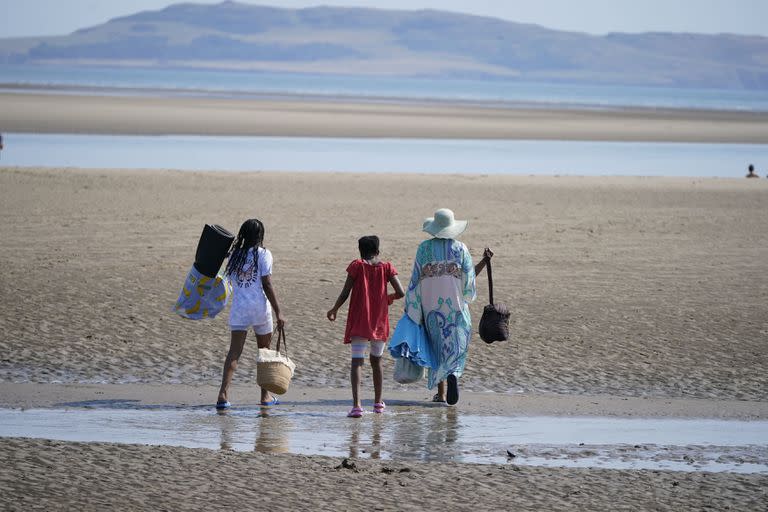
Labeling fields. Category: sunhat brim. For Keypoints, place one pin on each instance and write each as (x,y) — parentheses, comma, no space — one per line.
(451,231)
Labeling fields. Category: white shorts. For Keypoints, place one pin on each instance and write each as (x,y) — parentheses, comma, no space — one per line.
(360,344)
(261,330)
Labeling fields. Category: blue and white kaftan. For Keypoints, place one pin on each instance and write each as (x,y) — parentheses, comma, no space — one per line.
(442,287)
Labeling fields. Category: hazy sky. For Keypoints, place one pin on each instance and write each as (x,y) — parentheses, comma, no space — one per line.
(56,17)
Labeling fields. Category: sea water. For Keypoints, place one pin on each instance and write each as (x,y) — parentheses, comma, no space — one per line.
(172,81)
(377,155)
(366,155)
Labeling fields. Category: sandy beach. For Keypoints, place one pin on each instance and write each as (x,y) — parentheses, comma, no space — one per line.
(630,298)
(58,111)
(638,297)
(636,287)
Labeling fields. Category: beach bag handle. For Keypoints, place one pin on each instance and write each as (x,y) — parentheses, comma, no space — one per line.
(490,281)
(281,337)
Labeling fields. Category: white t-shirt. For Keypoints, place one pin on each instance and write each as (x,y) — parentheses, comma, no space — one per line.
(249,303)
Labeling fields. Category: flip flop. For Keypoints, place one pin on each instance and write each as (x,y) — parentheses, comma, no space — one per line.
(274,401)
(379,407)
(437,399)
(223,405)
(452,397)
(356,412)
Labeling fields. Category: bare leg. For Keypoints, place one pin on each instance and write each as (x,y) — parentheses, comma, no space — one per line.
(378,378)
(236,345)
(355,373)
(263,340)
(441,392)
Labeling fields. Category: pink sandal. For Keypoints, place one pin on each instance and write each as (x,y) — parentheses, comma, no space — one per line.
(379,407)
(356,412)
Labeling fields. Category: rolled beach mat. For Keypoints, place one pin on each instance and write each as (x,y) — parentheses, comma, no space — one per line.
(212,249)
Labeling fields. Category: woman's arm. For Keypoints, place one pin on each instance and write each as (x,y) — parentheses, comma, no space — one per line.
(269,291)
(399,292)
(487,255)
(343,296)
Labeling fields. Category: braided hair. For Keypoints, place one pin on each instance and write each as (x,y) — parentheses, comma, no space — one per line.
(251,235)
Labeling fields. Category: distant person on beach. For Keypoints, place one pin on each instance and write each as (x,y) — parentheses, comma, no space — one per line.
(253,301)
(442,287)
(368,317)
(751,173)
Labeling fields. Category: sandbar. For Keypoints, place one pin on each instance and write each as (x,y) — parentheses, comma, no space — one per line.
(56,112)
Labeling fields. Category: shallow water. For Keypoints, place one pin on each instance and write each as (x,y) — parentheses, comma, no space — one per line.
(408,433)
(539,157)
(238,84)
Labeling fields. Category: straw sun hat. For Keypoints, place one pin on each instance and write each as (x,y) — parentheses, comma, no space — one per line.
(444,225)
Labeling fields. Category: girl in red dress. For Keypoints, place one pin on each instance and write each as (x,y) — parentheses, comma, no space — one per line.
(368,318)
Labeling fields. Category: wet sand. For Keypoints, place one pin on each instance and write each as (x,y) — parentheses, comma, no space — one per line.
(96,476)
(158,115)
(404,399)
(630,297)
(633,287)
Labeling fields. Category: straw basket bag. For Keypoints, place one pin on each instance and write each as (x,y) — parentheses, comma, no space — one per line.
(274,369)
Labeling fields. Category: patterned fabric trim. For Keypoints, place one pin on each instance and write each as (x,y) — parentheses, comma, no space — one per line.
(440,269)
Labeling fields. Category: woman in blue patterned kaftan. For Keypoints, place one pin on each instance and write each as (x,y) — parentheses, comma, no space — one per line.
(442,287)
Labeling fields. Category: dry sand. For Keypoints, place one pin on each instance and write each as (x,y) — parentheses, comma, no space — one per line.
(72,113)
(630,296)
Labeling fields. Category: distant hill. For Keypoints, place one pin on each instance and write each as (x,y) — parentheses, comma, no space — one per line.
(390,42)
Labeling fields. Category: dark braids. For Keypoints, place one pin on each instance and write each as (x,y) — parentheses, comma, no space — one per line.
(251,235)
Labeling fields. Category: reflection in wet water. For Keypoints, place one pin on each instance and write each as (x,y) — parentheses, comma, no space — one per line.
(362,444)
(272,434)
(427,437)
(271,431)
(413,433)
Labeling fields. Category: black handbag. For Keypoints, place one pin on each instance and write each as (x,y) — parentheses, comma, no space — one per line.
(494,324)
